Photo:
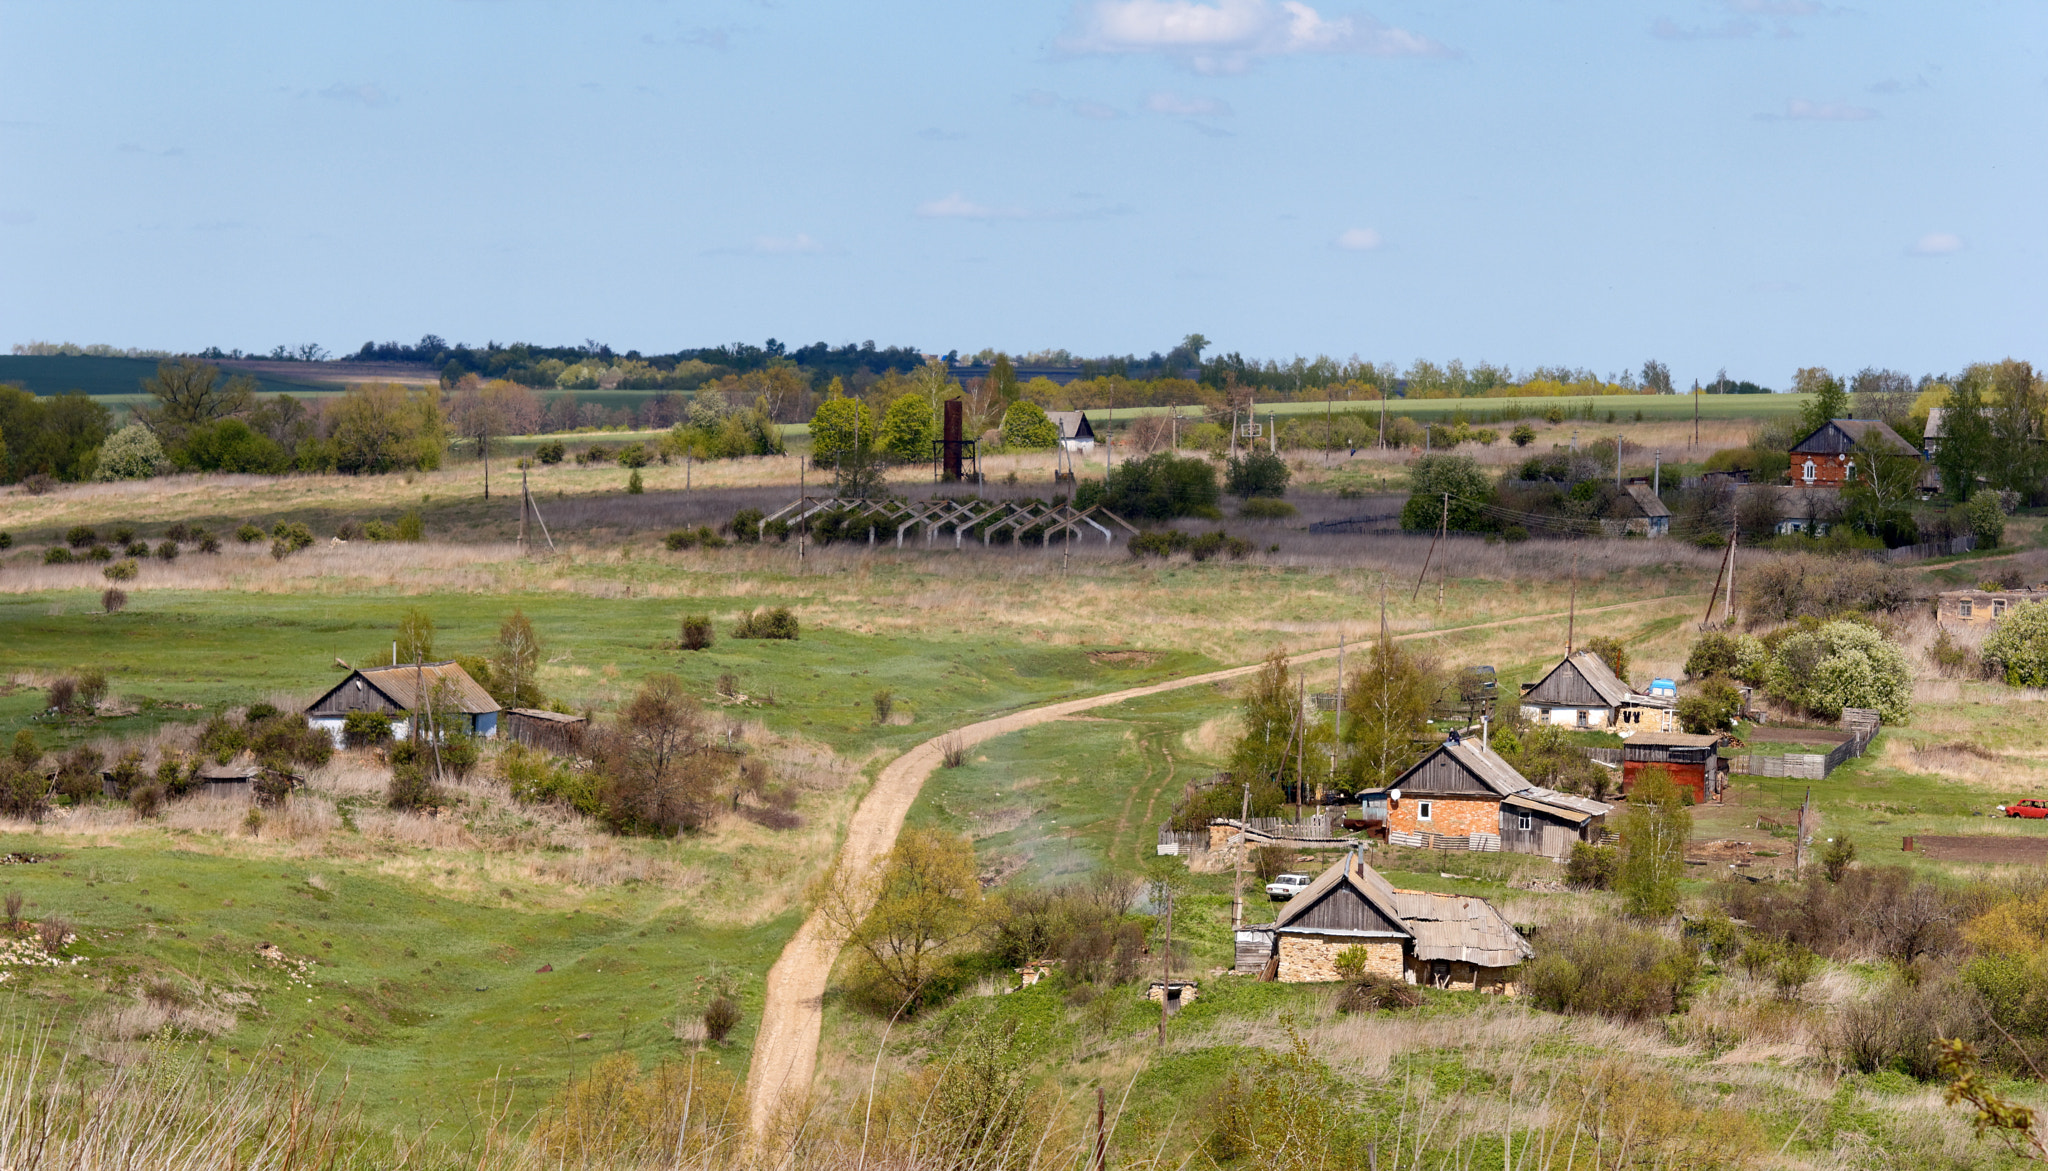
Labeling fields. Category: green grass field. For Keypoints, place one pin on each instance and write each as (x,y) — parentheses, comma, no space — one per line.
(115,381)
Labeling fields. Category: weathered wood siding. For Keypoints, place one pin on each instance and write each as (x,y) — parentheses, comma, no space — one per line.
(354,695)
(1442,773)
(1342,909)
(1564,687)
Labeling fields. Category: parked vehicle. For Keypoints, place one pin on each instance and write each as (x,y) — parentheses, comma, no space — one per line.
(2027,808)
(1287,886)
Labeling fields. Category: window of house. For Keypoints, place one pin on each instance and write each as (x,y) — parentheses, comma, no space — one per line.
(1525,823)
(1966,608)
(1998,609)
(1806,470)
(1584,719)
(1422,810)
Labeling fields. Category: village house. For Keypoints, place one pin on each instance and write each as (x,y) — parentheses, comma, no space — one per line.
(1418,937)
(550,731)
(1982,607)
(1643,514)
(1466,790)
(1076,433)
(459,702)
(1694,762)
(1827,456)
(1583,692)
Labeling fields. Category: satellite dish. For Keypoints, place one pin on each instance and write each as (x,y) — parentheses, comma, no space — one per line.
(1393,794)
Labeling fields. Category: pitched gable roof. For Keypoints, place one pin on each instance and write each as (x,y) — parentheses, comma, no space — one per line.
(1580,677)
(1842,436)
(1443,926)
(1072,424)
(402,685)
(1487,771)
(1646,501)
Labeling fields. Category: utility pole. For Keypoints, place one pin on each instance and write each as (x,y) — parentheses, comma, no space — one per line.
(523,498)
(1617,463)
(1244,846)
(1571,623)
(1799,842)
(1657,473)
(1233,432)
(804,529)
(1383,417)
(1166,963)
(1101,1135)
(1730,611)
(1443,526)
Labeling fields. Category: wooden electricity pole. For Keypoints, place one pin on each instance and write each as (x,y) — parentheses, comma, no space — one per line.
(1443,527)
(1166,963)
(1244,846)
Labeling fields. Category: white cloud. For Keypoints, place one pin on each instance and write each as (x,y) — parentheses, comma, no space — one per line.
(1801,110)
(366,94)
(958,207)
(1358,240)
(1937,244)
(1225,36)
(1175,106)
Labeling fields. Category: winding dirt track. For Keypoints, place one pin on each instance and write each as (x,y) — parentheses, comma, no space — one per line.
(786,1048)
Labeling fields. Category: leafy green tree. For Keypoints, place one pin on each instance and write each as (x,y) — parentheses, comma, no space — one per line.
(384,426)
(1843,664)
(415,636)
(902,915)
(132,453)
(228,445)
(1965,446)
(2018,647)
(56,435)
(1880,499)
(1026,427)
(1159,487)
(1256,473)
(1386,712)
(515,663)
(908,429)
(1830,397)
(1985,514)
(1002,378)
(1431,478)
(2019,407)
(1265,748)
(841,425)
(1613,652)
(189,393)
(1654,827)
(1711,708)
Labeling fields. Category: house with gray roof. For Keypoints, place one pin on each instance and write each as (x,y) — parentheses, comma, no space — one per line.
(1582,691)
(1419,937)
(457,701)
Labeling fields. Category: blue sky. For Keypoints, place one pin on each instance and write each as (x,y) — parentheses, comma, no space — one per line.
(1760,184)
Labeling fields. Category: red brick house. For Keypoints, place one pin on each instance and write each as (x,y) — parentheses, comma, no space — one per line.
(1826,458)
(1466,790)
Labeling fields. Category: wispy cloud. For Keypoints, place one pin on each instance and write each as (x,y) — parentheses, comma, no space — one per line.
(1733,29)
(1357,240)
(1175,106)
(956,206)
(367,94)
(1802,110)
(1226,36)
(1899,85)
(1937,244)
(801,244)
(1045,99)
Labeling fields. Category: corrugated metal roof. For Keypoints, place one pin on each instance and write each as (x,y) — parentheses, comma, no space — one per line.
(1346,870)
(1444,926)
(1673,740)
(1647,501)
(1562,805)
(1484,764)
(402,684)
(534,713)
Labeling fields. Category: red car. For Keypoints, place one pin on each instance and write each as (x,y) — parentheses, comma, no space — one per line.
(2028,808)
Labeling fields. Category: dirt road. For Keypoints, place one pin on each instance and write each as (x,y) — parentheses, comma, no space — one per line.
(786,1048)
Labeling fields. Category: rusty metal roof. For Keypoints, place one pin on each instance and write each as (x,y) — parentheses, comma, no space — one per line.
(402,684)
(1460,927)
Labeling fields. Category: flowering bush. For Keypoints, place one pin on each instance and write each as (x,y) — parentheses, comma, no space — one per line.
(1842,664)
(2018,649)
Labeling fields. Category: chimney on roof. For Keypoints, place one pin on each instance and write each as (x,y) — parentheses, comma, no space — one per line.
(1485,734)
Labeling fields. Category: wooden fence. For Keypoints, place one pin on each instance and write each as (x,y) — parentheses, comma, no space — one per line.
(1489,843)
(1862,725)
(1922,552)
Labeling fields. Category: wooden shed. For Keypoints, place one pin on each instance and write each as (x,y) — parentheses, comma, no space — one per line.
(1694,762)
(548,731)
(460,702)
(1549,823)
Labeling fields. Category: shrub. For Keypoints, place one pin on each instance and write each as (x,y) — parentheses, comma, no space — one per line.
(775,530)
(633,485)
(6,540)
(1431,478)
(596,453)
(1592,867)
(102,553)
(1256,473)
(168,551)
(1844,664)
(92,688)
(410,787)
(1985,515)
(551,452)
(457,755)
(137,549)
(1613,652)
(57,555)
(1523,435)
(113,599)
(290,537)
(1266,508)
(412,527)
(696,632)
(122,534)
(720,1017)
(1837,856)
(1159,487)
(208,543)
(1026,428)
(1270,862)
(53,933)
(147,800)
(953,752)
(1609,968)
(885,705)
(1712,708)
(40,484)
(2017,650)
(1785,588)
(634,455)
(366,729)
(62,695)
(746,526)
(80,536)
(536,778)
(248,534)
(122,571)
(1896,1029)
(680,539)
(764,623)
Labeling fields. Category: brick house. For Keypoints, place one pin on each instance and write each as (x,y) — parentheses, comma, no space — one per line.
(1982,607)
(1466,790)
(1583,692)
(1444,941)
(1827,456)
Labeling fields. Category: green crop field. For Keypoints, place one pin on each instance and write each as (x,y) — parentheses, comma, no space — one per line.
(116,381)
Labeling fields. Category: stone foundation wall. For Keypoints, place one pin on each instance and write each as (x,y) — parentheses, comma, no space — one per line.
(1466,977)
(1312,959)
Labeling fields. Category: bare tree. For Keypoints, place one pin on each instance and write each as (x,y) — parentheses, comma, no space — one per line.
(1886,395)
(190,394)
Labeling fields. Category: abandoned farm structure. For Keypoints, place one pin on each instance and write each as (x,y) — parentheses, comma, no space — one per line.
(1463,790)
(1418,937)
(457,701)
(551,731)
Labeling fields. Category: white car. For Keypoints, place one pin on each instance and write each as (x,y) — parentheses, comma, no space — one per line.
(1287,886)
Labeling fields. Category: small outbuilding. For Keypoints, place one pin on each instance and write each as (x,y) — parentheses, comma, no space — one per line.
(1076,433)
(459,701)
(1982,608)
(1694,762)
(1418,937)
(550,731)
